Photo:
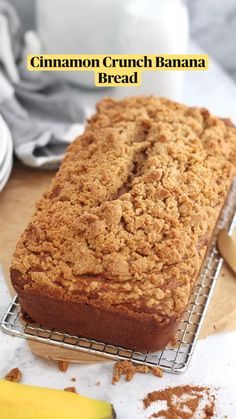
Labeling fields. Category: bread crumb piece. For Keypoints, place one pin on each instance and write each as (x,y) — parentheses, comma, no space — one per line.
(15,375)
(158,372)
(63,366)
(209,411)
(70,389)
(73,379)
(98,383)
(128,369)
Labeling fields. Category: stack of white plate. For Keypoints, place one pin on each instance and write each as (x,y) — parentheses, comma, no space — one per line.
(6,153)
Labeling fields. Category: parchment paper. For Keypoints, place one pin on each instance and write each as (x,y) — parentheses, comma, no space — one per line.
(17,203)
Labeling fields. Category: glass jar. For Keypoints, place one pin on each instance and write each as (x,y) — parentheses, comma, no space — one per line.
(116,26)
(156,27)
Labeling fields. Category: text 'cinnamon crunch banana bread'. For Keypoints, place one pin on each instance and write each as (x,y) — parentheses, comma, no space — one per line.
(118,239)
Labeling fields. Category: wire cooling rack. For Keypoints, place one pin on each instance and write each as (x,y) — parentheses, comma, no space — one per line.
(174,359)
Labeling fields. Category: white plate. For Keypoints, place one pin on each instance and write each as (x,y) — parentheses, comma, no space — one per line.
(5,178)
(7,159)
(4,139)
(7,156)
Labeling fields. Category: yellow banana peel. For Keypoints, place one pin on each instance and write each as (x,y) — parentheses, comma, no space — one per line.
(19,401)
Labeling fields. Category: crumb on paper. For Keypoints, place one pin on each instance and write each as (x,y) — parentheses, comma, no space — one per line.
(63,366)
(15,375)
(98,383)
(73,379)
(128,369)
(70,389)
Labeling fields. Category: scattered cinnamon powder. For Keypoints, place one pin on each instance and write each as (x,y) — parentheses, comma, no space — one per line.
(73,379)
(14,375)
(128,369)
(183,402)
(63,366)
(70,389)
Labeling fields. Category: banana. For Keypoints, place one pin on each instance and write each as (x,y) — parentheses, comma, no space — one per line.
(19,401)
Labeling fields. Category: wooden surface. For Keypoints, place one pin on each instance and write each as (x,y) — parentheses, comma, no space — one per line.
(17,204)
(56,353)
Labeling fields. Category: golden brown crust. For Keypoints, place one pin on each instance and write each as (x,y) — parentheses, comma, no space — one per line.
(126,221)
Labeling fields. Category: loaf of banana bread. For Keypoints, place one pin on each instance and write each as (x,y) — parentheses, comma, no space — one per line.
(116,242)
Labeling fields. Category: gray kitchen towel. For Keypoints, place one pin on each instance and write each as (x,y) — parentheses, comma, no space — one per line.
(43,114)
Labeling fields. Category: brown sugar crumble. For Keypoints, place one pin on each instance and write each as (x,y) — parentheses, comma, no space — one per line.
(63,366)
(70,389)
(128,369)
(15,375)
(183,402)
